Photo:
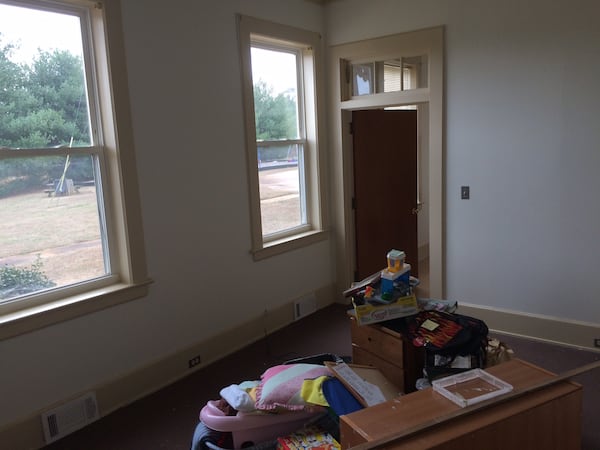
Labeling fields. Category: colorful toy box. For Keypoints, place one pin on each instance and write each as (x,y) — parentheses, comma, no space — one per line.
(369,313)
(310,438)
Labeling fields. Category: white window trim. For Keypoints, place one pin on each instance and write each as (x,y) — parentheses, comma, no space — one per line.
(130,280)
(248,29)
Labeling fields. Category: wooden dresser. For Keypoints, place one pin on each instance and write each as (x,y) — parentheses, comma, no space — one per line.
(398,360)
(548,418)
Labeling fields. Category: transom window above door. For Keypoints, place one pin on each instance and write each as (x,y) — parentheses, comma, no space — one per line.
(390,75)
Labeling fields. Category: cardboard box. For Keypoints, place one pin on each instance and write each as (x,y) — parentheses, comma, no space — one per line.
(368,313)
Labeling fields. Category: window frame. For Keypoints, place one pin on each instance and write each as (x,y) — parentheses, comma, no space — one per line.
(109,108)
(277,36)
(300,139)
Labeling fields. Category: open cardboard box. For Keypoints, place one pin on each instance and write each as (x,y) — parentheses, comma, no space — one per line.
(368,374)
(368,313)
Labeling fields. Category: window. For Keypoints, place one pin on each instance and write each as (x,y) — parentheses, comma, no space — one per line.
(280,78)
(63,235)
(392,75)
(280,137)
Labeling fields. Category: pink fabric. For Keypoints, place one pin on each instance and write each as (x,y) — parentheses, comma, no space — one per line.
(280,386)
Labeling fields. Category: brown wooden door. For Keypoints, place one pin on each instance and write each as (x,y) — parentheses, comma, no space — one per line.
(385,187)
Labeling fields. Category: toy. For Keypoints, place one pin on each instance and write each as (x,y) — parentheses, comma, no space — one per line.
(397,280)
(395,260)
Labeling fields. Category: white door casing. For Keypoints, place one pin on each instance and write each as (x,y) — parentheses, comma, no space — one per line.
(428,42)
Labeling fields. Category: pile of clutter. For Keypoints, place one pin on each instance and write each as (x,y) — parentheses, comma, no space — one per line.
(292,406)
(452,342)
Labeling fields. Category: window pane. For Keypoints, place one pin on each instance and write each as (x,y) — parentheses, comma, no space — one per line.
(43,100)
(50,227)
(414,72)
(362,79)
(275,80)
(392,75)
(280,182)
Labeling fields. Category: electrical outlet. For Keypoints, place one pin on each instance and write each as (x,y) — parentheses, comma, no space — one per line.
(597,342)
(194,361)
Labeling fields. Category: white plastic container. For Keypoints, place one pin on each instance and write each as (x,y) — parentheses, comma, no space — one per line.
(470,387)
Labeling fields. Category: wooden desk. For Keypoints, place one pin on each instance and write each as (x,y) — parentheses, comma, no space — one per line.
(549,418)
(397,359)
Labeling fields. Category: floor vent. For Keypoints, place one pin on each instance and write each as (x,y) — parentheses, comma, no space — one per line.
(304,306)
(71,416)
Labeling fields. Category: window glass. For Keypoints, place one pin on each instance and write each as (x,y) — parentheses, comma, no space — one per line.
(43,97)
(392,75)
(275,82)
(280,138)
(280,184)
(363,79)
(52,219)
(414,72)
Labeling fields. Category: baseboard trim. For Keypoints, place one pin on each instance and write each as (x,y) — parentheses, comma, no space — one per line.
(28,433)
(542,328)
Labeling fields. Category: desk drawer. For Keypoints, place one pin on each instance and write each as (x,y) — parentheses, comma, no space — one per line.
(392,372)
(385,345)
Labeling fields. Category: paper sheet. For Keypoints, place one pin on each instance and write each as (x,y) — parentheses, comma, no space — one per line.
(371,393)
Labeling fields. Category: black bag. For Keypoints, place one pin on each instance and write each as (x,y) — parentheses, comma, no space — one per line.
(453,343)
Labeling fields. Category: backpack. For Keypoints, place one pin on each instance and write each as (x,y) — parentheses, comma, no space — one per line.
(453,342)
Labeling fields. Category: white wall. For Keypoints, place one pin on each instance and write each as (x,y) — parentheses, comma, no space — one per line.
(187,116)
(522,108)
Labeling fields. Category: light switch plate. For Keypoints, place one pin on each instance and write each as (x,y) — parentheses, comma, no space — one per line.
(465,192)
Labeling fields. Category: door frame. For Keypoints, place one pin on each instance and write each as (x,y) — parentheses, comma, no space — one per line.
(428,42)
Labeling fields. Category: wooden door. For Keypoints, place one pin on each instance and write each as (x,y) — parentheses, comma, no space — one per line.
(385,187)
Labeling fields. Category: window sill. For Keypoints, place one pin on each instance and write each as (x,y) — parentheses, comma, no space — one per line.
(290,243)
(32,318)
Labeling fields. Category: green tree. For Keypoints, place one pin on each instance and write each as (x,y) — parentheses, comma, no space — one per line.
(56,80)
(12,94)
(42,104)
(276,116)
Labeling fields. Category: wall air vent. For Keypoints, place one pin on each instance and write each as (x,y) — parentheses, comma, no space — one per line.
(69,417)
(305,305)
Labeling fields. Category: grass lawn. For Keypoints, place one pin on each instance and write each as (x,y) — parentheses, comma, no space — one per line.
(63,232)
